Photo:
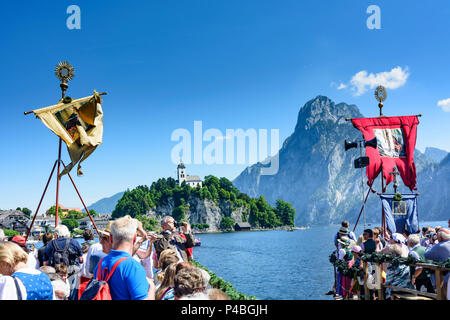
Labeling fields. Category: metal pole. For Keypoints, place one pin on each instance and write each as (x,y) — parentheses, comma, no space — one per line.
(362,209)
(64,87)
(362,186)
(85,208)
(57,183)
(39,205)
(382,191)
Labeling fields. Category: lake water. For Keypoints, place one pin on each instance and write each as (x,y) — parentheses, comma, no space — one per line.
(276,265)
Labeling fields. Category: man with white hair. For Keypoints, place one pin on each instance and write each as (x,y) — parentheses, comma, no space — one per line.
(128,280)
(420,276)
(169,239)
(64,250)
(440,251)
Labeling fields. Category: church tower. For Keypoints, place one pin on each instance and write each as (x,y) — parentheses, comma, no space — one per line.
(181,171)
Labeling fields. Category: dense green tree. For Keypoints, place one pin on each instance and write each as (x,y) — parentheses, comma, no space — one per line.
(70,223)
(52,211)
(227,223)
(26,211)
(148,223)
(93,213)
(286,212)
(180,211)
(135,202)
(214,193)
(73,214)
(11,233)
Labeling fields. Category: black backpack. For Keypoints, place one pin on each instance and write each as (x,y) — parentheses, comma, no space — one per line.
(61,256)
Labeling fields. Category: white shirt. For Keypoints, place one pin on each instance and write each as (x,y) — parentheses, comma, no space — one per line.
(32,262)
(60,285)
(8,289)
(84,270)
(147,263)
(96,249)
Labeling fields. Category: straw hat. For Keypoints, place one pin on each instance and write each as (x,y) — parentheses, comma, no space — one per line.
(344,241)
(107,231)
(343,231)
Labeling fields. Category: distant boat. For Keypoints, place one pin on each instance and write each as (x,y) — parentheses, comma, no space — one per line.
(197,242)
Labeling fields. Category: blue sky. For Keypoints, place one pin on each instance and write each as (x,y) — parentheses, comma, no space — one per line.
(230,64)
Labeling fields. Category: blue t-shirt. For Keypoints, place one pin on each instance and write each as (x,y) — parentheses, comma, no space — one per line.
(129,281)
(74,250)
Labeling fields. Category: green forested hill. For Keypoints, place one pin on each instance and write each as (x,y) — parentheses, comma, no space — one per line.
(257,211)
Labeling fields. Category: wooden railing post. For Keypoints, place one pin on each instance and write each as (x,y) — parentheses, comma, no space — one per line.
(439,284)
(366,289)
(379,281)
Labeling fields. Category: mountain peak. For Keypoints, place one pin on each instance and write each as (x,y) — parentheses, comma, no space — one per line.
(322,108)
(435,154)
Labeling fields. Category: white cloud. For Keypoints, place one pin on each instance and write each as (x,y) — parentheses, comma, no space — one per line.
(342,86)
(444,104)
(362,81)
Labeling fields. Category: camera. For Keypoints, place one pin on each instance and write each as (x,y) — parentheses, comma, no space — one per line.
(178,224)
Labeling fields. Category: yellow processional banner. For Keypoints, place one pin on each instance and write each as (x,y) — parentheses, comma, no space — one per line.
(79,123)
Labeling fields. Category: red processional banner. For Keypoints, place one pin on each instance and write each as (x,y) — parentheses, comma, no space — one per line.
(396,141)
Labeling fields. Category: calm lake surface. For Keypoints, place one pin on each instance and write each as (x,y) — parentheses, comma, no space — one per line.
(276,265)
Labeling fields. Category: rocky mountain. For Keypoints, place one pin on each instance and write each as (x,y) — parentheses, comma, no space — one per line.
(434,199)
(435,154)
(106,205)
(317,175)
(202,211)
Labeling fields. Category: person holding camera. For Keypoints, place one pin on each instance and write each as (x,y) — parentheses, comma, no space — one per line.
(170,239)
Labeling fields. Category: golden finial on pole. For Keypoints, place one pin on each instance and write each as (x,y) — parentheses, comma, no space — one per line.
(380,95)
(64,71)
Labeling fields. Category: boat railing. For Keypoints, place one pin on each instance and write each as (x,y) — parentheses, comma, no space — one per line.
(380,286)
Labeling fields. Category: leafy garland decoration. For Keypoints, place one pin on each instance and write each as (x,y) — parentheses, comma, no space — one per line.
(67,100)
(376,257)
(398,197)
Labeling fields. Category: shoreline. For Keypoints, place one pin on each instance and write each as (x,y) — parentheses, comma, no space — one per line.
(252,229)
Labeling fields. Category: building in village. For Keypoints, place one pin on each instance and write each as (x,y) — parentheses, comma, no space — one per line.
(192,181)
(242,226)
(101,222)
(14,220)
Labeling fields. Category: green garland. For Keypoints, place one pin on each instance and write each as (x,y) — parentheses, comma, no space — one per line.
(343,267)
(377,257)
(67,100)
(223,285)
(398,197)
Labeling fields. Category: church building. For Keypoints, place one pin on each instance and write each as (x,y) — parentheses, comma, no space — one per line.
(192,181)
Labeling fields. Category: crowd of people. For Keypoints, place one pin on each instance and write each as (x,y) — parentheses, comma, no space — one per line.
(134,263)
(428,245)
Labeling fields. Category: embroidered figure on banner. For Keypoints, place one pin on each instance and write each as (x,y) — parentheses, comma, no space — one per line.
(390,142)
(399,208)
